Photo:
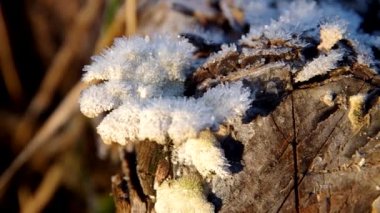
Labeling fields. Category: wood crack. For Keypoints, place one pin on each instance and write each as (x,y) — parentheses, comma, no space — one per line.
(294,146)
(295,165)
(320,148)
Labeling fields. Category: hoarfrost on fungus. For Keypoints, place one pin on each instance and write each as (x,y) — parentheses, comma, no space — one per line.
(136,68)
(140,84)
(186,194)
(177,118)
(205,154)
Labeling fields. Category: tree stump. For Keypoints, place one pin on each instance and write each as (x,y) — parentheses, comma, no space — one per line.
(295,151)
(303,146)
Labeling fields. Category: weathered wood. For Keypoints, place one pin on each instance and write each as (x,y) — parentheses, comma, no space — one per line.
(303,139)
(120,194)
(337,169)
(296,149)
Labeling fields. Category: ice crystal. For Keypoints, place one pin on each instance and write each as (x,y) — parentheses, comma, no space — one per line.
(266,51)
(147,66)
(330,34)
(104,97)
(185,194)
(227,101)
(177,118)
(365,54)
(291,20)
(258,12)
(225,51)
(115,127)
(205,154)
(319,66)
(139,83)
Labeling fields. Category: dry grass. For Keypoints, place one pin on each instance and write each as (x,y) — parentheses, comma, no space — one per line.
(8,68)
(131,17)
(45,191)
(44,144)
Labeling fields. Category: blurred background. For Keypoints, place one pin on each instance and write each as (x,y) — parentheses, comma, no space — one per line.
(51,159)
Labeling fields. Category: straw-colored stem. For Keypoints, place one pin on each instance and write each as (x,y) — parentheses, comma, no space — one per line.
(131,17)
(59,67)
(60,116)
(46,189)
(115,29)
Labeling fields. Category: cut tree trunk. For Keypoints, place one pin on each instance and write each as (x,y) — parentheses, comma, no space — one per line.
(301,155)
(296,150)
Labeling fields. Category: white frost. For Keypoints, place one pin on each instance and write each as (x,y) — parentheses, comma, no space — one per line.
(134,69)
(185,194)
(331,33)
(178,118)
(319,66)
(205,154)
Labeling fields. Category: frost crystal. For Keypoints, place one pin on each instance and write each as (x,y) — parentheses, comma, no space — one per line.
(258,12)
(159,58)
(319,66)
(176,118)
(224,52)
(227,101)
(205,154)
(185,194)
(289,22)
(365,54)
(104,97)
(115,127)
(143,81)
(136,68)
(330,34)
